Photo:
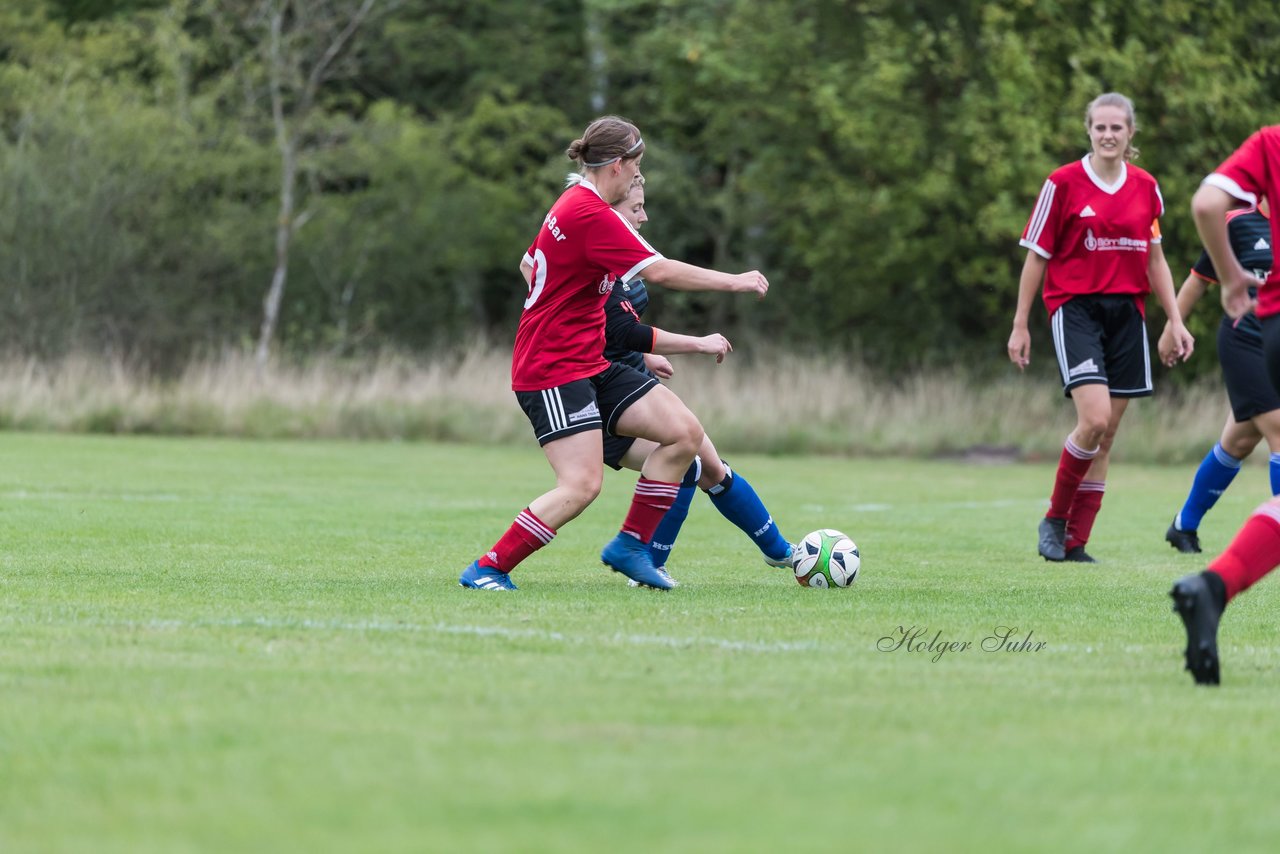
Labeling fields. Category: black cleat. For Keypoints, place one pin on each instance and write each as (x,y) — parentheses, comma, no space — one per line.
(1187,542)
(1077,554)
(1053,536)
(1194,602)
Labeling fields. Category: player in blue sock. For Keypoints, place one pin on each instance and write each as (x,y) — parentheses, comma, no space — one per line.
(738,502)
(629,341)
(669,528)
(1255,405)
(1216,471)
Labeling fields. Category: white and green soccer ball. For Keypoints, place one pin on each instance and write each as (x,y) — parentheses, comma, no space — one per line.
(827,558)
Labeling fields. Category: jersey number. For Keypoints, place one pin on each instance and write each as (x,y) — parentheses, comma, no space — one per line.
(538,281)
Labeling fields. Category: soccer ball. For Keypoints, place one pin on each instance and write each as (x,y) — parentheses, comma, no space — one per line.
(826,558)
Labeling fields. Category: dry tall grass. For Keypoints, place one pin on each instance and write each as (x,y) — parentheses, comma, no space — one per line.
(774,405)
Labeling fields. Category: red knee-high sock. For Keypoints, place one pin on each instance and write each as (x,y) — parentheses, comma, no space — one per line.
(526,535)
(1253,553)
(1072,466)
(1084,509)
(651,502)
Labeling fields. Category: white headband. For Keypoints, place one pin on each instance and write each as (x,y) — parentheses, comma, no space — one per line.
(629,152)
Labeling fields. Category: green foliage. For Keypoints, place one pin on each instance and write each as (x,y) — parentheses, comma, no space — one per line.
(877,159)
(90,10)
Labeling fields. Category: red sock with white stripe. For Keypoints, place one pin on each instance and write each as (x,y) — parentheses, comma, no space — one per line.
(526,535)
(1084,509)
(1072,467)
(1253,553)
(651,502)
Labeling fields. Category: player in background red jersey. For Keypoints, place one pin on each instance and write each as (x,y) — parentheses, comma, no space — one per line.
(570,392)
(1251,172)
(1093,240)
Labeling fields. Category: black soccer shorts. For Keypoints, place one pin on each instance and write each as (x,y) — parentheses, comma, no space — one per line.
(1102,339)
(1244,371)
(594,403)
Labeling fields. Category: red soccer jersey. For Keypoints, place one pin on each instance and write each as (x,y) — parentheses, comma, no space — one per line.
(1095,235)
(1253,170)
(583,247)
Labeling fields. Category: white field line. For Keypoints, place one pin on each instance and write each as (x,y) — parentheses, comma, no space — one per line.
(616,638)
(25,495)
(397,626)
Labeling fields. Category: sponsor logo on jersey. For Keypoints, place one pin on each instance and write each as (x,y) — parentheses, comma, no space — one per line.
(588,411)
(1088,211)
(1262,244)
(606,284)
(1112,244)
(551,225)
(1086,367)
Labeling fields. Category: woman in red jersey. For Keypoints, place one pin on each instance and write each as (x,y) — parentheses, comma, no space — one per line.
(1094,241)
(570,392)
(1251,172)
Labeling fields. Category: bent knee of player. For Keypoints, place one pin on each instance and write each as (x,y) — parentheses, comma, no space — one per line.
(1092,430)
(1242,445)
(687,432)
(580,492)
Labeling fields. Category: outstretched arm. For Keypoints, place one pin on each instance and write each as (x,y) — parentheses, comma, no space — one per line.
(624,330)
(680,276)
(670,343)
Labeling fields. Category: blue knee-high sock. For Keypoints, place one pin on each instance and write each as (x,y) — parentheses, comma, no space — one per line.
(664,538)
(1275,474)
(738,502)
(1217,470)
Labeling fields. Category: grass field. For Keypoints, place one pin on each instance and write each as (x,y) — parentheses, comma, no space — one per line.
(221,645)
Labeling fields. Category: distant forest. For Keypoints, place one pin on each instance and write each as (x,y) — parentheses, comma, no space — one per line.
(350,176)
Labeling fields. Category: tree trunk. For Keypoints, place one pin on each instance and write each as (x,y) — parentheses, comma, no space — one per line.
(597,58)
(288,169)
(284,234)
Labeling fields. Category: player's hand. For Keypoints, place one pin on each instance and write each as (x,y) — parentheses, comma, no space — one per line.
(1236,301)
(1020,347)
(716,345)
(1165,347)
(660,365)
(1179,346)
(752,282)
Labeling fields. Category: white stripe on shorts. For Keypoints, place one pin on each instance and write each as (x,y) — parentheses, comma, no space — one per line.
(555,410)
(1059,343)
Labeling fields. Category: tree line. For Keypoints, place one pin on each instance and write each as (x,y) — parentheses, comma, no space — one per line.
(296,176)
